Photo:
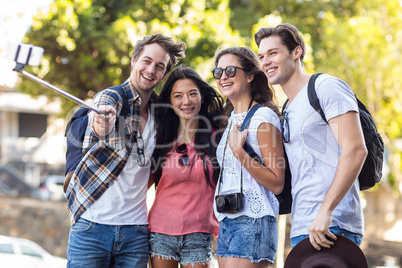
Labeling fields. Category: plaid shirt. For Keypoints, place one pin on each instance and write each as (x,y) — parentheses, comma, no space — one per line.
(101,166)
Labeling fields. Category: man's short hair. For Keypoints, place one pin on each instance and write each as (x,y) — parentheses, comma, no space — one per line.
(288,34)
(176,50)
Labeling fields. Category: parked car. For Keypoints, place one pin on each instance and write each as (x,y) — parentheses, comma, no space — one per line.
(50,189)
(23,253)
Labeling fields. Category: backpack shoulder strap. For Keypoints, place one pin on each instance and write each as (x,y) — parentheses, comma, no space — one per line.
(122,93)
(312,96)
(251,112)
(82,111)
(244,125)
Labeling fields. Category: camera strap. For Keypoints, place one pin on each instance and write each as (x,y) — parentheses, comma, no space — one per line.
(244,126)
(223,161)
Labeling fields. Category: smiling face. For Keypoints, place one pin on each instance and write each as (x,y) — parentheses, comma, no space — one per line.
(186,99)
(277,62)
(233,87)
(149,69)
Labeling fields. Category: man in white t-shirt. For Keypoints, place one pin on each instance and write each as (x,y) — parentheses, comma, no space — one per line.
(107,192)
(324,158)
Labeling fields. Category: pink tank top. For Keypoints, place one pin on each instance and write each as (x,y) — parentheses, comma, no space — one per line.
(183,201)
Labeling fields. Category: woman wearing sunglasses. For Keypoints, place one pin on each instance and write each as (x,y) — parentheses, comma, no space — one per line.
(185,170)
(245,202)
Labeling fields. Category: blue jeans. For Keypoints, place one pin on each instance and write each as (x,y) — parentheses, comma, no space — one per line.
(248,238)
(93,245)
(356,238)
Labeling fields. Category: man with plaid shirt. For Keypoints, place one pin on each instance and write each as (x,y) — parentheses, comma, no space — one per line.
(107,193)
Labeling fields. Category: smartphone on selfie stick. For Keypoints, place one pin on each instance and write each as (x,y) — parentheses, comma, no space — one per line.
(25,54)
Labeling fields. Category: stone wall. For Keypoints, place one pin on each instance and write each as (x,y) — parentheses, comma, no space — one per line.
(382,243)
(45,222)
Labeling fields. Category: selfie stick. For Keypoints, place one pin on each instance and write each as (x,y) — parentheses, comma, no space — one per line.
(20,68)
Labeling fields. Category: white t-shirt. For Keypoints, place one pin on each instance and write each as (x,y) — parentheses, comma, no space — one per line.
(258,201)
(124,202)
(313,155)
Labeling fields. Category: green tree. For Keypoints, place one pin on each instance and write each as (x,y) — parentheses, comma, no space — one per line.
(358,41)
(364,50)
(82,54)
(88,43)
(304,14)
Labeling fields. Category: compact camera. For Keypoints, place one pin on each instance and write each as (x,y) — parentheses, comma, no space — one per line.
(229,203)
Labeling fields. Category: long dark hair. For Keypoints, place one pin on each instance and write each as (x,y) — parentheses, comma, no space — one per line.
(167,123)
(261,91)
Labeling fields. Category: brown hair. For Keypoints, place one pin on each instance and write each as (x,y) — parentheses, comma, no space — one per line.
(261,91)
(288,33)
(176,50)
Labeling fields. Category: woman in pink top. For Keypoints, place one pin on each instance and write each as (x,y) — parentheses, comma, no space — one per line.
(185,171)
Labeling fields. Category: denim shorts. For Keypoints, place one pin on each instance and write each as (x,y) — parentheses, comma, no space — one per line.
(356,238)
(185,249)
(248,238)
(97,245)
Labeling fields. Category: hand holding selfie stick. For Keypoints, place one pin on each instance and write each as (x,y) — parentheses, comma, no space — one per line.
(25,54)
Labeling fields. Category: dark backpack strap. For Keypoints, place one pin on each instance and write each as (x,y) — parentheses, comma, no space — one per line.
(122,93)
(79,132)
(125,110)
(285,198)
(82,111)
(76,128)
(312,96)
(244,125)
(251,112)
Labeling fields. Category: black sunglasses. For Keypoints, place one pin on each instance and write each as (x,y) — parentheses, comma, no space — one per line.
(140,151)
(285,127)
(230,71)
(184,160)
